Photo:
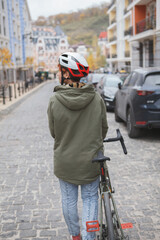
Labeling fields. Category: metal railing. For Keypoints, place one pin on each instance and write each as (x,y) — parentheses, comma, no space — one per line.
(113,20)
(146,24)
(129,31)
(127,53)
(114,55)
(125,10)
(14,90)
(114,38)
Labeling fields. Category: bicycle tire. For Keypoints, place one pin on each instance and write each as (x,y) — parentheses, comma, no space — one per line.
(108,215)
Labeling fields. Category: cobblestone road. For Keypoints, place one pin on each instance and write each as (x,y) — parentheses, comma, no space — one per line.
(30,204)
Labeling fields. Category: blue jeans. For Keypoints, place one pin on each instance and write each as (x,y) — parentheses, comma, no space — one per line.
(89,193)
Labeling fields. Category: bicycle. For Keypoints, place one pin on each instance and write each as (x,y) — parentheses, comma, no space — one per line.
(109,225)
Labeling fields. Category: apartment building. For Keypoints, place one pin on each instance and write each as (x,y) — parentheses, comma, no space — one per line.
(133,34)
(15,31)
(145,42)
(49,43)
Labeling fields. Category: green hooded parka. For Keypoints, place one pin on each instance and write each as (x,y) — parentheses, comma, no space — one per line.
(77,122)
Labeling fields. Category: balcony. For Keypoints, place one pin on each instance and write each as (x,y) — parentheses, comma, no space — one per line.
(112,3)
(125,10)
(113,55)
(114,38)
(126,6)
(113,20)
(146,24)
(129,31)
(127,53)
(129,2)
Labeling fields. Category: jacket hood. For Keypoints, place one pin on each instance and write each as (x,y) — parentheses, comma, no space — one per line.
(74,98)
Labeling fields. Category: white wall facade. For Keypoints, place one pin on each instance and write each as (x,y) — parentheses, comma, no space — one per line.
(4,27)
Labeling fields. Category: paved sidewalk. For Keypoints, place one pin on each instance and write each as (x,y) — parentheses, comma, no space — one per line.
(30,202)
(10,105)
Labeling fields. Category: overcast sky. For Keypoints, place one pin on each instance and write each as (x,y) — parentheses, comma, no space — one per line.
(52,7)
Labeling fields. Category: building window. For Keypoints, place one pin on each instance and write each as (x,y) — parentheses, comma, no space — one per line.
(13,5)
(4,26)
(2,4)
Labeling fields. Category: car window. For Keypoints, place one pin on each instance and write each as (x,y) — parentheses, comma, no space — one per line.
(127,80)
(97,77)
(152,80)
(112,82)
(133,79)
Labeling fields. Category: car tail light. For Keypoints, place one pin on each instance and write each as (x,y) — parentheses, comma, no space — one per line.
(144,93)
(141,123)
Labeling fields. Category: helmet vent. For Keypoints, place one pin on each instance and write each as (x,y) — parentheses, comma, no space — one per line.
(81,67)
(64,55)
(65,61)
(74,59)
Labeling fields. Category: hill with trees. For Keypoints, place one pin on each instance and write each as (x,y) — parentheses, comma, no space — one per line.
(79,26)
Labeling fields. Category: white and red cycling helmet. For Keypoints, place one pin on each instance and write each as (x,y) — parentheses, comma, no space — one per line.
(75,63)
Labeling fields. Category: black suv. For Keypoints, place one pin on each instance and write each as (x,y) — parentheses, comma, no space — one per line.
(137,102)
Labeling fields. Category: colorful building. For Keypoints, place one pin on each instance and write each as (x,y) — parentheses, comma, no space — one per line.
(102,43)
(49,43)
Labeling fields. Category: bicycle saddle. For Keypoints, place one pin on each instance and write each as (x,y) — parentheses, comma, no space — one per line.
(100,158)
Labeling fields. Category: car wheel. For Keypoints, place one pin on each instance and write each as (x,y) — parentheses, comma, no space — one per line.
(117,118)
(133,132)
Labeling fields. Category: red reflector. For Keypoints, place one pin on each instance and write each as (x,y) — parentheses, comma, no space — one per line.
(92,226)
(126,225)
(141,123)
(144,93)
(102,171)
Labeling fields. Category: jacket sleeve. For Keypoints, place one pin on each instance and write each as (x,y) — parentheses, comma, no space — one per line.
(50,118)
(104,120)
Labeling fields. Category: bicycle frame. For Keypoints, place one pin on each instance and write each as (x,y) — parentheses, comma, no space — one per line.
(105,186)
(113,226)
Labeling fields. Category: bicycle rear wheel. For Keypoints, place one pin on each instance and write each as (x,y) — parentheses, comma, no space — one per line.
(108,216)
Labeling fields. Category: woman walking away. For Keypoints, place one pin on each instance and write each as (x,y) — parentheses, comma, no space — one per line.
(77,122)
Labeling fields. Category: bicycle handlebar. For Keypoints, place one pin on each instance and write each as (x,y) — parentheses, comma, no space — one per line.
(118,138)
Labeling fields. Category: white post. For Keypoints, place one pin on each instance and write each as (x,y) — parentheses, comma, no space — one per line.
(14,78)
(158,15)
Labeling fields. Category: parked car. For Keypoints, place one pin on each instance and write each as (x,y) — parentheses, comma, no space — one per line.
(107,87)
(94,78)
(123,76)
(137,102)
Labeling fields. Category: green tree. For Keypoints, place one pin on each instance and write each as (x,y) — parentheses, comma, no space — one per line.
(5,60)
(94,41)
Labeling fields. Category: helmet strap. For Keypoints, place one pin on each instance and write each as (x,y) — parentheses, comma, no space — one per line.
(62,78)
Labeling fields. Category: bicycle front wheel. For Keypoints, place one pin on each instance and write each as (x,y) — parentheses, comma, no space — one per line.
(108,216)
